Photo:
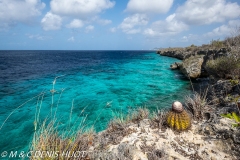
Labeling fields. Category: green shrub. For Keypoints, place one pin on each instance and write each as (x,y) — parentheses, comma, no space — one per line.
(233,116)
(217,44)
(193,45)
(191,48)
(224,67)
(234,82)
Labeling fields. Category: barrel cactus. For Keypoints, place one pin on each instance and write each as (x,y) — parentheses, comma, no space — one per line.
(178,118)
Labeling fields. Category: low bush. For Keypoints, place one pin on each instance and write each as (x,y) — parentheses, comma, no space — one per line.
(217,44)
(192,48)
(224,67)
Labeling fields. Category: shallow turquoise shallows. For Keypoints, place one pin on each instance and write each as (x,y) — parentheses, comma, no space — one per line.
(93,87)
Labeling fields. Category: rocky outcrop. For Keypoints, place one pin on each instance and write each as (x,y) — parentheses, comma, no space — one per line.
(184,53)
(176,53)
(175,65)
(225,93)
(192,66)
(209,139)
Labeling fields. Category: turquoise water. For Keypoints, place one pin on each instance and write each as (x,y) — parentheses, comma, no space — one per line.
(95,86)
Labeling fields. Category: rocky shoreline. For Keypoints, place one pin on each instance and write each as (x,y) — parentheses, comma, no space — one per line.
(211,135)
(222,96)
(194,61)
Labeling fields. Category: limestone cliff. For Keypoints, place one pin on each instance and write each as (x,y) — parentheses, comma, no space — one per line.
(194,61)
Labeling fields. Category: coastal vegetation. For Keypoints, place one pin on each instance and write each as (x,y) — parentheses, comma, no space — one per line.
(224,67)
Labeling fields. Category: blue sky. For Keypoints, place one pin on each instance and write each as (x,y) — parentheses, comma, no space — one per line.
(114,24)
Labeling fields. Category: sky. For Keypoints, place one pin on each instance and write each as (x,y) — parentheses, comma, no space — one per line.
(114,24)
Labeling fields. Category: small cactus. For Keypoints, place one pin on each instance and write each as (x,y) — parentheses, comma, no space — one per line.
(178,118)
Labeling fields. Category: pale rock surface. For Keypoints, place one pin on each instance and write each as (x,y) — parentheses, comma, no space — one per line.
(186,145)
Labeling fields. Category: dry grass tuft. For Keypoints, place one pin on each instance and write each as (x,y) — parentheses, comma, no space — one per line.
(140,114)
(115,132)
(117,129)
(158,119)
(197,105)
(48,139)
(233,41)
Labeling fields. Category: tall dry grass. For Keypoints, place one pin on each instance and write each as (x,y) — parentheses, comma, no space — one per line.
(197,104)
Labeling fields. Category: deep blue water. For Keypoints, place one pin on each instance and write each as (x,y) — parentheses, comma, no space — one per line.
(96,86)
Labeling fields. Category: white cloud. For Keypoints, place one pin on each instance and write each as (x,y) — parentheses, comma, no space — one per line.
(133,31)
(198,12)
(190,38)
(89,28)
(104,21)
(71,39)
(224,30)
(76,23)
(13,11)
(51,22)
(149,6)
(129,23)
(101,21)
(37,36)
(113,30)
(80,12)
(184,39)
(80,8)
(194,12)
(168,27)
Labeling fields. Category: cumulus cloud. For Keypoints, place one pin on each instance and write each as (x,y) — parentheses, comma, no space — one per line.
(195,12)
(14,11)
(79,8)
(76,23)
(224,30)
(89,28)
(141,10)
(149,6)
(51,22)
(169,26)
(130,22)
(80,12)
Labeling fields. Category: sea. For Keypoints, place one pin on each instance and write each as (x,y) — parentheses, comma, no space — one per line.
(80,89)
